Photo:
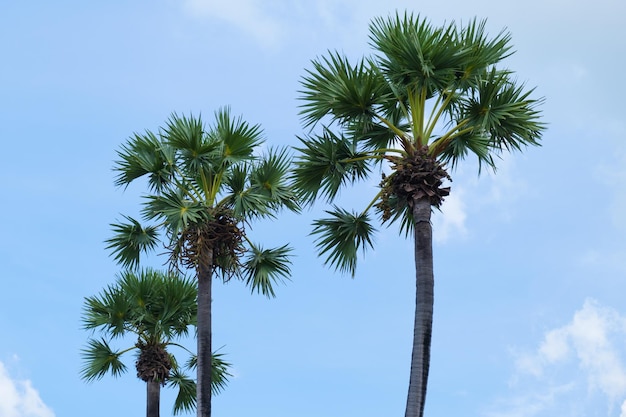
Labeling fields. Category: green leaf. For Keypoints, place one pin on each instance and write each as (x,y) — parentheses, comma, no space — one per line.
(343,92)
(219,371)
(326,163)
(341,236)
(100,359)
(264,267)
(130,240)
(145,155)
(269,178)
(176,209)
(414,55)
(185,401)
(239,139)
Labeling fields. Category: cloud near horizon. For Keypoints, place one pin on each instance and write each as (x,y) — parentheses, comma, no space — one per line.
(581,364)
(19,398)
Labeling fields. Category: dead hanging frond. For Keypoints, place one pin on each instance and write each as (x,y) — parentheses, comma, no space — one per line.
(414,177)
(153,363)
(218,240)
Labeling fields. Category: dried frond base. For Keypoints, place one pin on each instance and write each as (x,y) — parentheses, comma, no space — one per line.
(219,239)
(154,363)
(416,177)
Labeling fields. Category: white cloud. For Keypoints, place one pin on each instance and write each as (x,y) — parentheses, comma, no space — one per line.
(19,398)
(450,222)
(586,355)
(251,16)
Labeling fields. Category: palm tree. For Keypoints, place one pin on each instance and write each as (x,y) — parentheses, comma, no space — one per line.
(205,186)
(425,99)
(158,309)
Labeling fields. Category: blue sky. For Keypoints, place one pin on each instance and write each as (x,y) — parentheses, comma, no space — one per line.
(530,263)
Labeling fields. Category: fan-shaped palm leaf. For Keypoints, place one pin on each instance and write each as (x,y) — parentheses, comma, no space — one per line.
(264,267)
(100,359)
(130,240)
(341,236)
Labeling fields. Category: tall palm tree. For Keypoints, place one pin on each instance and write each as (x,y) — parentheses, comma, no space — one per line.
(158,309)
(205,186)
(428,97)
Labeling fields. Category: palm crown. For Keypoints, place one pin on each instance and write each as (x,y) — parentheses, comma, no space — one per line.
(427,98)
(158,309)
(206,186)
(203,185)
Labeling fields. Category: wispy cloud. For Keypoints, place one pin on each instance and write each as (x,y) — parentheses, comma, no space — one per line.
(450,222)
(251,16)
(19,398)
(580,363)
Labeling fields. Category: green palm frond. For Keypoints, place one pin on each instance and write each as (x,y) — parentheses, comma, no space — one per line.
(185,401)
(265,267)
(200,158)
(220,373)
(513,120)
(341,91)
(238,137)
(326,163)
(479,51)
(179,307)
(414,54)
(269,178)
(182,132)
(175,209)
(100,359)
(130,240)
(476,142)
(341,236)
(143,155)
(109,312)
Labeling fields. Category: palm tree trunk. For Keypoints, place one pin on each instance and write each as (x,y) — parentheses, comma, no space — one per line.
(154,398)
(203,389)
(422,331)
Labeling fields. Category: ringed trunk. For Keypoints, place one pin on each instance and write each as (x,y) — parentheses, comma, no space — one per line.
(203,388)
(154,398)
(422,330)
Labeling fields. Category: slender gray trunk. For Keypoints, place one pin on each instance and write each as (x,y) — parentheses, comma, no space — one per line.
(154,398)
(422,331)
(203,389)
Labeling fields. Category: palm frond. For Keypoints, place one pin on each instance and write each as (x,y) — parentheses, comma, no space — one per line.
(414,54)
(343,92)
(109,311)
(175,209)
(99,359)
(479,52)
(326,163)
(265,267)
(200,157)
(143,155)
(220,373)
(238,138)
(341,236)
(185,401)
(476,142)
(269,178)
(130,240)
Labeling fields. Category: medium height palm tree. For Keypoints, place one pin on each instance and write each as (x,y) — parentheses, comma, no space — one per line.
(428,97)
(205,185)
(157,309)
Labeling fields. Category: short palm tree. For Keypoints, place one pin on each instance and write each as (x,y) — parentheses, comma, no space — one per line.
(158,309)
(427,98)
(205,187)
